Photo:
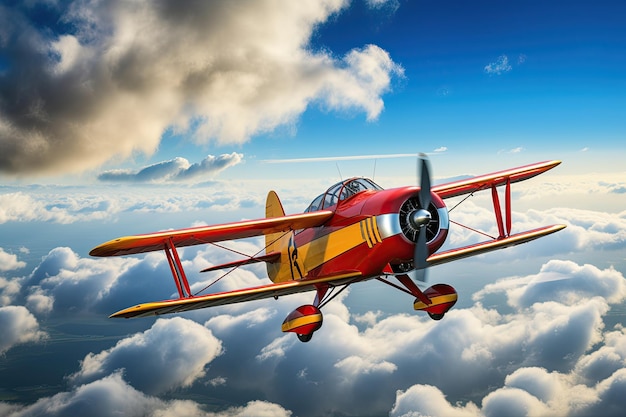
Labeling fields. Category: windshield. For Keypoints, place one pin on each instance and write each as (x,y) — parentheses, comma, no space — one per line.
(341,191)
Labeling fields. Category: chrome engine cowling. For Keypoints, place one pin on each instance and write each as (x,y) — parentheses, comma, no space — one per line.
(412,217)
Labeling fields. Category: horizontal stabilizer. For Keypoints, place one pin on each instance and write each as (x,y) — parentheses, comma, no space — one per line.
(491,245)
(270,257)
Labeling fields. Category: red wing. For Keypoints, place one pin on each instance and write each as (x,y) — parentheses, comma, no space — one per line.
(238,296)
(456,188)
(491,245)
(129,245)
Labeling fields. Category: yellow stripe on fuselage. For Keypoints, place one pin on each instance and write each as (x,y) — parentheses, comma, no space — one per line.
(315,253)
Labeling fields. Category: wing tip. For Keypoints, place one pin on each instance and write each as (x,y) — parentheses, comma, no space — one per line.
(128,313)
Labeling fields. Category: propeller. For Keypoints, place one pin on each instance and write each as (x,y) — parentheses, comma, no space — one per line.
(420,219)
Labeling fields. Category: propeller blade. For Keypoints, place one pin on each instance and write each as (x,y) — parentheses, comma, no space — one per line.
(424,174)
(420,255)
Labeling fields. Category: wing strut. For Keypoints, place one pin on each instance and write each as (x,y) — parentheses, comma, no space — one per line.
(498,211)
(177,269)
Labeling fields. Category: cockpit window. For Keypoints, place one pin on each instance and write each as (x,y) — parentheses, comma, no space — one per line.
(341,191)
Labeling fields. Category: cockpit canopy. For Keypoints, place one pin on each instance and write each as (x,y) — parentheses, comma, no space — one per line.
(341,191)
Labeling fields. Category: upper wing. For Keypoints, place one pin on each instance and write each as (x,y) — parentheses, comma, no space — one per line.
(456,188)
(206,234)
(230,297)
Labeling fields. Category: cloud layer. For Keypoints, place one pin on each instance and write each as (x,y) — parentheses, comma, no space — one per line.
(542,342)
(546,336)
(177,169)
(94,84)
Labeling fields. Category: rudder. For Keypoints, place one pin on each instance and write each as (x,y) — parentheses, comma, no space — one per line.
(275,242)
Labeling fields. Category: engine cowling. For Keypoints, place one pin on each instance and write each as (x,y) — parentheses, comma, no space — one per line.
(436,227)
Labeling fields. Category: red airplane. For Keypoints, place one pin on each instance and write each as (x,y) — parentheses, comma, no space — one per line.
(353,232)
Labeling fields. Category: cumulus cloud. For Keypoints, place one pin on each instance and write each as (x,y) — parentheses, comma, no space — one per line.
(426,400)
(9,262)
(177,169)
(73,284)
(171,354)
(112,395)
(9,289)
(586,229)
(499,66)
(526,392)
(99,85)
(562,281)
(482,347)
(18,326)
(553,335)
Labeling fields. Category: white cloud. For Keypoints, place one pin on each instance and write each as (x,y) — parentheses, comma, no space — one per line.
(562,281)
(60,207)
(9,262)
(68,283)
(102,203)
(348,367)
(426,400)
(177,169)
(552,319)
(173,353)
(112,395)
(480,347)
(9,289)
(499,66)
(216,71)
(18,326)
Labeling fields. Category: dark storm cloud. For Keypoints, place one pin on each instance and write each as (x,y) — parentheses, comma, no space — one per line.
(89,83)
(177,169)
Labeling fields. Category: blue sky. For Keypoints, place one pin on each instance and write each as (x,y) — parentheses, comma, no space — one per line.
(129,117)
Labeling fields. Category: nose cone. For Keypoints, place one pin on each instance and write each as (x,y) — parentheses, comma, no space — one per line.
(420,218)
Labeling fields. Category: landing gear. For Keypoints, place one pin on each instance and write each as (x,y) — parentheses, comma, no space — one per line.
(304,337)
(441,298)
(303,321)
(436,316)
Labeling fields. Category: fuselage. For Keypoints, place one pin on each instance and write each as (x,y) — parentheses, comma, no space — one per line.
(369,231)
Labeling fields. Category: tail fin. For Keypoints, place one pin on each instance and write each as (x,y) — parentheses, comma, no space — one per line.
(276,242)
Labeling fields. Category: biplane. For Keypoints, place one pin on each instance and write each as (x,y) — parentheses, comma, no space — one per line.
(354,232)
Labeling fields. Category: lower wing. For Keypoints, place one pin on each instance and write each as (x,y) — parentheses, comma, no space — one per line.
(491,245)
(238,296)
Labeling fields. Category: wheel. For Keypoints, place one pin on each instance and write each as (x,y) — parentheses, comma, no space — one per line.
(305,337)
(436,316)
